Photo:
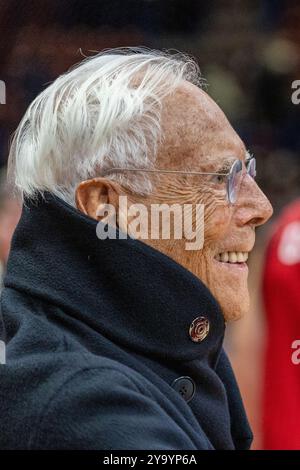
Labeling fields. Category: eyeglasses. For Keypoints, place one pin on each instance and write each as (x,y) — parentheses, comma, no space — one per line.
(233,177)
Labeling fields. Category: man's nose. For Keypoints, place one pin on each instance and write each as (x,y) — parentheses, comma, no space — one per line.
(253,206)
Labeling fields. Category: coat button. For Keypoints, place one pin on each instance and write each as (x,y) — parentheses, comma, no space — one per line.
(199,329)
(185,386)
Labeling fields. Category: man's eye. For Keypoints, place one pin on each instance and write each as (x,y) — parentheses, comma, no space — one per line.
(219,179)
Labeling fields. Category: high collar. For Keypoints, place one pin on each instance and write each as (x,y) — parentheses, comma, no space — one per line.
(131,293)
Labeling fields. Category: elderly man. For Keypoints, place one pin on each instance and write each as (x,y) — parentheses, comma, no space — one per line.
(115,342)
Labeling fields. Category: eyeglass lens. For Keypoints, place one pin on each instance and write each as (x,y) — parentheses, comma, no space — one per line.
(234,180)
(235,177)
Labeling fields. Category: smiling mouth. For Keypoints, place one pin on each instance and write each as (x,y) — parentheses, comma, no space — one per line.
(232,257)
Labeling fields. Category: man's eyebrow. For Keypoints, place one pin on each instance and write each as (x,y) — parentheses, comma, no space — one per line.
(226,165)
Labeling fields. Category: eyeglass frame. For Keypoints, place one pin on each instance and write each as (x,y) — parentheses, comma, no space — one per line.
(196,173)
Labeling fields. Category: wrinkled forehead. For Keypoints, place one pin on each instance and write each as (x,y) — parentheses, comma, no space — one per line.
(196,132)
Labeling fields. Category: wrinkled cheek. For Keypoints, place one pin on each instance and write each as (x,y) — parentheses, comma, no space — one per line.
(217,217)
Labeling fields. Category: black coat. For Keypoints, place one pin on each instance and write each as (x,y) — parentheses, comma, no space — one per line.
(99,352)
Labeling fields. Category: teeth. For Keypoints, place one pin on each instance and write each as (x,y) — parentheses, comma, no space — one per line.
(233,257)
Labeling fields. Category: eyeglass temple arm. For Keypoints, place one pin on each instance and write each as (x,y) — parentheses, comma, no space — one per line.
(112,170)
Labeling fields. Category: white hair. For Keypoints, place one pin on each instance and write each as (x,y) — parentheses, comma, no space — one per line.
(103,113)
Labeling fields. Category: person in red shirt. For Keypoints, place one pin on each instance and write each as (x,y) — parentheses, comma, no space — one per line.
(281,295)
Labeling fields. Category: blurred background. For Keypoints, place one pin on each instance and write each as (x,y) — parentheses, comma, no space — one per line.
(248,53)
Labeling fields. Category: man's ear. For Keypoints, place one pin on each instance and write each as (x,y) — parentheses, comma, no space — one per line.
(91,195)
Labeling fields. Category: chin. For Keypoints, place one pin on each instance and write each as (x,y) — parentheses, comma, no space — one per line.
(234,306)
